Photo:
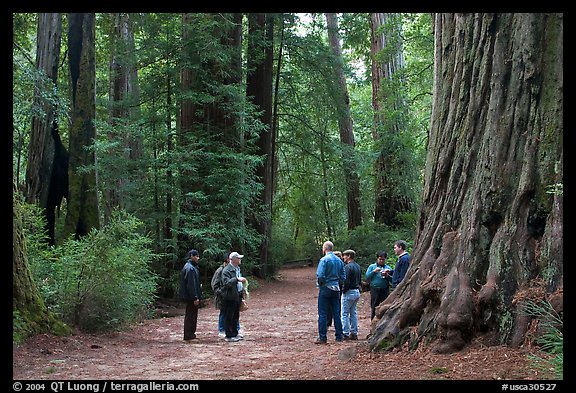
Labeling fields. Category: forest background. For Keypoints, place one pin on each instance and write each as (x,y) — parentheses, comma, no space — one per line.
(139,136)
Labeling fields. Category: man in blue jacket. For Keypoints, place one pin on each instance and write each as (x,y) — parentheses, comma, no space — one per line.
(330,277)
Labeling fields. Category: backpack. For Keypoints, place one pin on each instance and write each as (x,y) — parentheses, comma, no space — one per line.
(216,281)
(217,286)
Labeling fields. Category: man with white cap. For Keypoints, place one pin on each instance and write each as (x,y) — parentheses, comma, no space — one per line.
(232,283)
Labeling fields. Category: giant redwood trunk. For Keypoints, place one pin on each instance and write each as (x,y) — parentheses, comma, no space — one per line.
(490,229)
(47,166)
(82,210)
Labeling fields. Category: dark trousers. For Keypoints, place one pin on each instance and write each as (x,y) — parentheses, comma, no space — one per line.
(190,320)
(377,296)
(231,311)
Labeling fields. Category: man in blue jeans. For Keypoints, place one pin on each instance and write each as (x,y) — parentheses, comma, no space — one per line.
(330,277)
(350,296)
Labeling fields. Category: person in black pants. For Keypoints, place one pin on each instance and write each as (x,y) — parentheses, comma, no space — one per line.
(190,292)
(232,283)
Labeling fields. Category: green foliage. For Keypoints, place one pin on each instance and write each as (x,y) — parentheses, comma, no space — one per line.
(555,189)
(19,327)
(550,337)
(219,210)
(370,238)
(102,281)
(439,370)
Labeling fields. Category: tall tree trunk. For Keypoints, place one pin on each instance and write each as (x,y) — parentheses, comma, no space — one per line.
(47,167)
(83,213)
(259,89)
(345,125)
(26,299)
(389,116)
(490,234)
(124,97)
(186,121)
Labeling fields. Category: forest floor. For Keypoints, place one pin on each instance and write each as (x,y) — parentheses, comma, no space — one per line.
(280,327)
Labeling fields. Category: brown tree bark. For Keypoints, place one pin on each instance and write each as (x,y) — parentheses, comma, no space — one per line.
(82,214)
(345,126)
(47,166)
(259,91)
(490,234)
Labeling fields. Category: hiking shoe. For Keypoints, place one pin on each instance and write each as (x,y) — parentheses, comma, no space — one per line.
(320,341)
(221,334)
(353,336)
(232,339)
(346,337)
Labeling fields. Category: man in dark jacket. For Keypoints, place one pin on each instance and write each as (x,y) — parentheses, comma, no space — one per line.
(190,293)
(402,264)
(351,296)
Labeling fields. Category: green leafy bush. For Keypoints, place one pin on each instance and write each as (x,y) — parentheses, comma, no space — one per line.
(102,281)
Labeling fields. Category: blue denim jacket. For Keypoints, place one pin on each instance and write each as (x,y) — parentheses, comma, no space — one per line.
(330,271)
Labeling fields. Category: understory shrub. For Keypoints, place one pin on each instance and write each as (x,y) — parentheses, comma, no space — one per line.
(102,281)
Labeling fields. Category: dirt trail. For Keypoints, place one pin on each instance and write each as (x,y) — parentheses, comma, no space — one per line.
(280,328)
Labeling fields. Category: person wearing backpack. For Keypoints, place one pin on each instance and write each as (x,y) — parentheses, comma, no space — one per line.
(232,283)
(216,284)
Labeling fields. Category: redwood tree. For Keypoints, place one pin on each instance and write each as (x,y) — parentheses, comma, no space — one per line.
(490,228)
(345,126)
(46,171)
(83,213)
(259,91)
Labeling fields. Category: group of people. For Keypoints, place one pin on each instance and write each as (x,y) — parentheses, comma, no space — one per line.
(228,284)
(339,277)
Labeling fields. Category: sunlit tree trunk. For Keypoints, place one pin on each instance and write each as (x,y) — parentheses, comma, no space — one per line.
(352,181)
(389,116)
(490,229)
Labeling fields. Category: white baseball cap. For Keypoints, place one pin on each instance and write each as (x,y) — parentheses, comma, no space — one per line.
(235,255)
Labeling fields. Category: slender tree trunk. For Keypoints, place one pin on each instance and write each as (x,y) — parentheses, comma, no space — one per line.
(83,212)
(345,125)
(490,232)
(275,109)
(124,97)
(46,170)
(259,89)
